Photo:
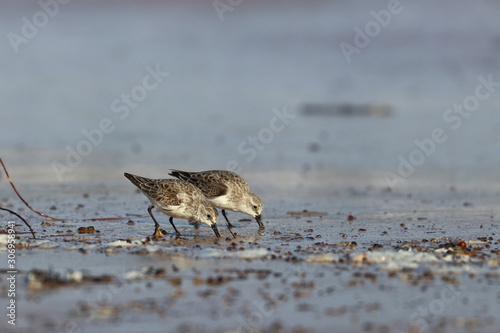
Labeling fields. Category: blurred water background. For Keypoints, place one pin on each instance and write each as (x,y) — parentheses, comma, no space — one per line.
(230,69)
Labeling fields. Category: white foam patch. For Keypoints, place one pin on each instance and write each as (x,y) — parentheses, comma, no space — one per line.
(132,243)
(252,253)
(3,242)
(323,258)
(136,274)
(125,243)
(246,254)
(42,243)
(76,276)
(152,248)
(141,273)
(401,259)
(457,270)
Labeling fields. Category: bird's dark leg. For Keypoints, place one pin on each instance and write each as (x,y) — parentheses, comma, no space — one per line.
(229,225)
(177,233)
(157,232)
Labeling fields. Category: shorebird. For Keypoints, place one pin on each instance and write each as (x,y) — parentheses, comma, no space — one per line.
(176,198)
(225,190)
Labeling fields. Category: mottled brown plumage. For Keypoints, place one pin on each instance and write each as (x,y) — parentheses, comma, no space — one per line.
(176,198)
(225,190)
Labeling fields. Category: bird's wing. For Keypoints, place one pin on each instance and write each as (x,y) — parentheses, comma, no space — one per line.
(212,190)
(163,193)
(211,184)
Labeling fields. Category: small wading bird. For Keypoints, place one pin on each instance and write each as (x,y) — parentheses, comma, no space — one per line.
(225,190)
(176,198)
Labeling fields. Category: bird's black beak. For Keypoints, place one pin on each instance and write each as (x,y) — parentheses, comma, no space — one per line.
(258,218)
(214,228)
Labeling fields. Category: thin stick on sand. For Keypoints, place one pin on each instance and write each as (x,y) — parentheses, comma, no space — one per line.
(45,215)
(20,197)
(25,222)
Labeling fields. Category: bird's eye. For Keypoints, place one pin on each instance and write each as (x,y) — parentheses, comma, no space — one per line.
(209,216)
(255,207)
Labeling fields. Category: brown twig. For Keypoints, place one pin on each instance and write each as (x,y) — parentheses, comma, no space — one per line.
(25,222)
(42,214)
(20,197)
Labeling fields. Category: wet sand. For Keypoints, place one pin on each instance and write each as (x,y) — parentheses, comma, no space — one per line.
(338,251)
(422,257)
